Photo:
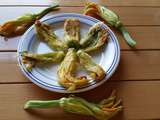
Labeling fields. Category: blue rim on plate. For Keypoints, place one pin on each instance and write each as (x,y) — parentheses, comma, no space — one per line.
(59,89)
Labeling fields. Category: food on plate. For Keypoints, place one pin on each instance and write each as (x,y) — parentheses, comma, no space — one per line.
(95,70)
(72,32)
(95,38)
(104,14)
(103,110)
(32,59)
(46,34)
(20,25)
(70,52)
(66,72)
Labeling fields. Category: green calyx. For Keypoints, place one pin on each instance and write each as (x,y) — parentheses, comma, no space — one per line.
(74,105)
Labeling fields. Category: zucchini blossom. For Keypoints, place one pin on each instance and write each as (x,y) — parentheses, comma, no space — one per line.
(95,70)
(95,38)
(32,59)
(110,17)
(66,72)
(103,110)
(72,32)
(46,34)
(20,25)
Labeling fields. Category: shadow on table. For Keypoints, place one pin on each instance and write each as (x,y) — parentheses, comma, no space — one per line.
(58,114)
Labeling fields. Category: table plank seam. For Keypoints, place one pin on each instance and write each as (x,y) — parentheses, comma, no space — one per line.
(109,81)
(132,49)
(29,5)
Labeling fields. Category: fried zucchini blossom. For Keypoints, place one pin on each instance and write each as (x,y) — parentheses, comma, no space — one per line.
(72,32)
(95,70)
(66,72)
(48,36)
(95,38)
(31,59)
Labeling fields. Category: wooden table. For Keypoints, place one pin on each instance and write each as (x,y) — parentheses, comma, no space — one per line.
(136,79)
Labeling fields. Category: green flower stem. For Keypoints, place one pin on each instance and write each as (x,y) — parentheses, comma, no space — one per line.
(127,36)
(41,104)
(47,10)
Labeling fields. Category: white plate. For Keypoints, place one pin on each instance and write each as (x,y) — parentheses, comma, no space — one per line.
(46,77)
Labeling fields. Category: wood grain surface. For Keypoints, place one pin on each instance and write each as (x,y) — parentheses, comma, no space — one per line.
(137,79)
(141,24)
(134,65)
(140,33)
(150,3)
(140,101)
(132,16)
